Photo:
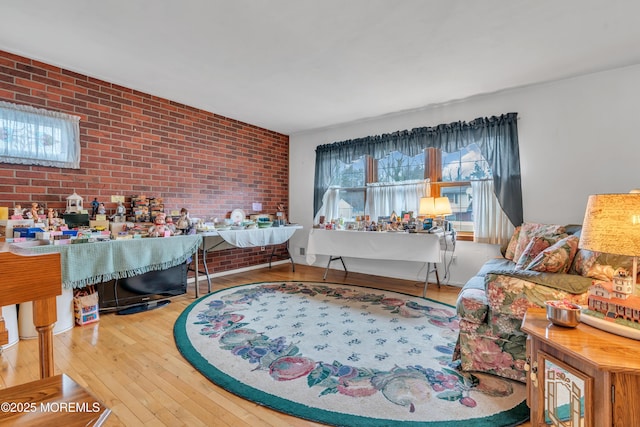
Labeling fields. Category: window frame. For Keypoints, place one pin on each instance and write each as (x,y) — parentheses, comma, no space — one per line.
(28,135)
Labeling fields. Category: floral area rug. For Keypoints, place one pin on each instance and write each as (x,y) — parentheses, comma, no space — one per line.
(342,355)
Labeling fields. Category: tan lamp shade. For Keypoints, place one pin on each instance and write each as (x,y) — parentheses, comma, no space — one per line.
(427,207)
(612,224)
(442,206)
(434,206)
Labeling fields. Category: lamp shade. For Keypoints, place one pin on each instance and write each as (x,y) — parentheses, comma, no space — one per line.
(612,224)
(442,206)
(427,206)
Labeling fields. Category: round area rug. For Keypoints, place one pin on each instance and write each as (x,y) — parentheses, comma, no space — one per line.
(342,355)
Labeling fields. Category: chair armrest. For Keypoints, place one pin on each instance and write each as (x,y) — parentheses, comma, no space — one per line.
(512,296)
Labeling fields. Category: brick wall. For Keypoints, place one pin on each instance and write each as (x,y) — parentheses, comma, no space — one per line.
(134,143)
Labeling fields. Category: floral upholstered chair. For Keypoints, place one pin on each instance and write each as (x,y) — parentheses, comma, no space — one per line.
(492,304)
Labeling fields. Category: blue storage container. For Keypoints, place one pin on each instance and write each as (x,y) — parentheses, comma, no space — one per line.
(26,232)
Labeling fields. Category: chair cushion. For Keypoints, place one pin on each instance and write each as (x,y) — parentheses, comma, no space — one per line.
(599,266)
(511,247)
(557,258)
(536,245)
(530,230)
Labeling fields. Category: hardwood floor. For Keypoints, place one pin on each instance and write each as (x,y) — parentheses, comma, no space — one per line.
(131,362)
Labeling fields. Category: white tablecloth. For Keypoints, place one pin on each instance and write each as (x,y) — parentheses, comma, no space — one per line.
(419,247)
(213,240)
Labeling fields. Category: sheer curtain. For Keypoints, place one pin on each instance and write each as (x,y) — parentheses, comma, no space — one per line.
(384,198)
(34,136)
(330,204)
(497,138)
(490,223)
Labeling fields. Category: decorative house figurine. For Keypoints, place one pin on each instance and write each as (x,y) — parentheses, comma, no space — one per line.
(74,203)
(613,302)
(622,285)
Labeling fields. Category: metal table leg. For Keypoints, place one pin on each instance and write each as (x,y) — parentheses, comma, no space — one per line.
(426,280)
(206,269)
(332,258)
(197,279)
(273,250)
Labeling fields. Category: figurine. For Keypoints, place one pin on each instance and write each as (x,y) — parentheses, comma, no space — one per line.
(94,207)
(159,226)
(34,211)
(280,214)
(74,203)
(18,211)
(184,222)
(101,209)
(171,226)
(120,211)
(50,219)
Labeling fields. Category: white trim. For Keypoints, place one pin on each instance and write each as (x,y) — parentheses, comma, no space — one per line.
(239,270)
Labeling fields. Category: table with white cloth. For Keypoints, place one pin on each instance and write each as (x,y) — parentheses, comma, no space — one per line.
(219,240)
(385,245)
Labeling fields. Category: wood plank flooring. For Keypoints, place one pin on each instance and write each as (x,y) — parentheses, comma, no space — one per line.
(131,362)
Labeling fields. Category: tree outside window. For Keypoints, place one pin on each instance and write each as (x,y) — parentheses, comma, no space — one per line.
(450,175)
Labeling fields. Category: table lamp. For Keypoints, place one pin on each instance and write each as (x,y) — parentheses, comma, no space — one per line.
(612,225)
(425,211)
(435,207)
(442,206)
(427,207)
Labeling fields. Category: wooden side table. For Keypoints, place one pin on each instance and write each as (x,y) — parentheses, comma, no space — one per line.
(580,376)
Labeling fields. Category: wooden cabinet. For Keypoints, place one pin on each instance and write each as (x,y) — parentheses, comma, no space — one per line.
(580,376)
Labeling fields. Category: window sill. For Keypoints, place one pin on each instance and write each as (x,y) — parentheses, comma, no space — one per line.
(466,236)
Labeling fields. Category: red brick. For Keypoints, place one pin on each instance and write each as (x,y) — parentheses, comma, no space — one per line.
(137,143)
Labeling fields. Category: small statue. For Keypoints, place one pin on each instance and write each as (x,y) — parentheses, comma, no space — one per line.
(34,211)
(50,219)
(159,226)
(184,222)
(18,211)
(170,225)
(101,209)
(94,207)
(120,210)
(280,214)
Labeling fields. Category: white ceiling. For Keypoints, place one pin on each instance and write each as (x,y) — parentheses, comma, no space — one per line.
(296,65)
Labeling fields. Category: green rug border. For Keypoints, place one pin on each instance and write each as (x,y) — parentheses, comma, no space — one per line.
(516,416)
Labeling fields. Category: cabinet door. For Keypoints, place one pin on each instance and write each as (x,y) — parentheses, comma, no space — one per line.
(567,397)
(626,410)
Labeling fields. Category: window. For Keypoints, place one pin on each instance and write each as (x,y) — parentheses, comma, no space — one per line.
(398,167)
(451,164)
(449,174)
(34,136)
(349,197)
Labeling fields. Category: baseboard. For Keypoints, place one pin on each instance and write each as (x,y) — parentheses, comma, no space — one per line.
(286,261)
(238,270)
